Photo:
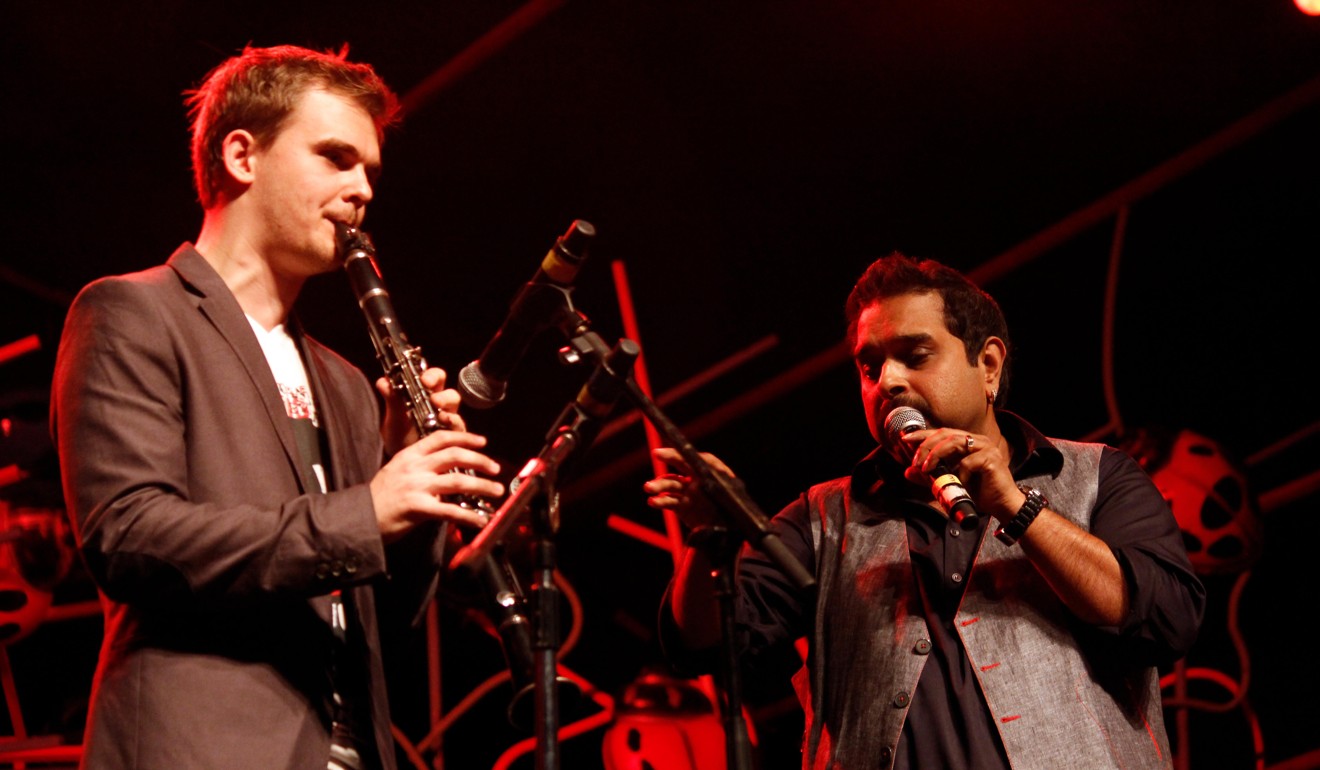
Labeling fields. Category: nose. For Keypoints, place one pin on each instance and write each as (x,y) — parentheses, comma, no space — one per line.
(891,381)
(359,189)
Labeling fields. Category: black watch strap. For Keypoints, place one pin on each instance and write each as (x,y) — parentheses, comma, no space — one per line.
(1011,532)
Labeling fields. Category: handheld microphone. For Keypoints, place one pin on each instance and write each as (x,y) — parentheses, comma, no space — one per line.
(948,490)
(482,383)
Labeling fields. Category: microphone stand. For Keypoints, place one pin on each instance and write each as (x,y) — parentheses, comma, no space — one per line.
(728,493)
(741,513)
(612,379)
(721,547)
(534,490)
(721,544)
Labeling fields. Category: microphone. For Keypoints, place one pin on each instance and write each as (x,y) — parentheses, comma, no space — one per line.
(482,383)
(948,490)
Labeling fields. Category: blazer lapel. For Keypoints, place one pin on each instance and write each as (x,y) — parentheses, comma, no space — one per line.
(329,402)
(218,305)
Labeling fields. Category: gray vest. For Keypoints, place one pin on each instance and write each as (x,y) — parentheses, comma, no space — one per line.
(1054,705)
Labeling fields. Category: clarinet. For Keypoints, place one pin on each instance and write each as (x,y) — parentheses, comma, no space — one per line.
(403,365)
(402,361)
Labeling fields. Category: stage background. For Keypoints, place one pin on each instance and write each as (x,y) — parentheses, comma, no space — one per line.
(742,163)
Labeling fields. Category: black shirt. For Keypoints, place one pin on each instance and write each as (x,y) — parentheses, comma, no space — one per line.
(948,724)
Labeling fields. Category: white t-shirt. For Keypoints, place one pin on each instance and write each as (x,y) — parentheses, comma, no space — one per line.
(291,377)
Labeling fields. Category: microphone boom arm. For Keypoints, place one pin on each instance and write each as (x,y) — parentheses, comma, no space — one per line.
(573,433)
(729,494)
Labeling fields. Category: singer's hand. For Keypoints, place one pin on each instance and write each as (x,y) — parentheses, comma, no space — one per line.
(981,464)
(398,429)
(408,489)
(679,492)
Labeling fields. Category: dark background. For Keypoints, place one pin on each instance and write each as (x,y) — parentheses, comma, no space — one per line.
(744,162)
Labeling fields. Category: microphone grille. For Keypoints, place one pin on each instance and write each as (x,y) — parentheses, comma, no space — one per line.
(477,390)
(902,421)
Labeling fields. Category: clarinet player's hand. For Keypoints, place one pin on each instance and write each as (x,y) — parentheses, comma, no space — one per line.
(398,429)
(410,488)
(413,486)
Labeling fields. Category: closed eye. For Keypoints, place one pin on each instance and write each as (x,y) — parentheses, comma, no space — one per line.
(339,158)
(916,358)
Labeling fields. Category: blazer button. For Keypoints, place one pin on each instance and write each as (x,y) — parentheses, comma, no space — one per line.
(901,699)
(923,647)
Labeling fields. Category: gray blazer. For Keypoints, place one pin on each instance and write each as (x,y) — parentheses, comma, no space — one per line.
(182,478)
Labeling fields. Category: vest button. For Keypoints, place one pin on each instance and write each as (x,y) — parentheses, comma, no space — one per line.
(923,647)
(901,699)
(956,577)
(886,754)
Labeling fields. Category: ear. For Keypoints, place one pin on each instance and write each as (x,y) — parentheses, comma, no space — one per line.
(993,353)
(239,150)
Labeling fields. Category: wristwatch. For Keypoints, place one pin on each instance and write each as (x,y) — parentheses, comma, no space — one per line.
(1011,532)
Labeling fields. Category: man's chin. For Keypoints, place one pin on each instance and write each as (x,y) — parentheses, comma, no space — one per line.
(321,258)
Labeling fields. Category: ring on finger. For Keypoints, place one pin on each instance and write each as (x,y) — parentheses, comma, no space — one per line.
(970,442)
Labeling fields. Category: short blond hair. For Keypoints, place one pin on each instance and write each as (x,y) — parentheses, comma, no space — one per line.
(257,89)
